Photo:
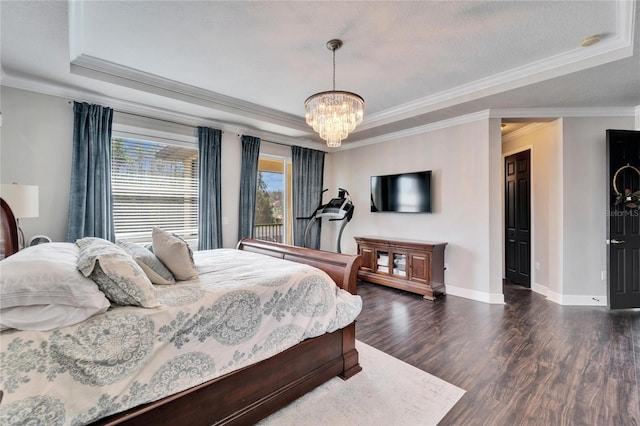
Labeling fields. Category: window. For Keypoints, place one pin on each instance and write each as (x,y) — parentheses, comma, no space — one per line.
(154,184)
(273,200)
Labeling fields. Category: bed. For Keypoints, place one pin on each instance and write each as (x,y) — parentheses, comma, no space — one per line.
(255,390)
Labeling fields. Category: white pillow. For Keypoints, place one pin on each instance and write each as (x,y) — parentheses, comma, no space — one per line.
(44,317)
(46,275)
(175,253)
(116,273)
(150,264)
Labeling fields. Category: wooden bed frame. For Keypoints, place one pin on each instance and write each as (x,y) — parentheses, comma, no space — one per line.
(248,395)
(8,231)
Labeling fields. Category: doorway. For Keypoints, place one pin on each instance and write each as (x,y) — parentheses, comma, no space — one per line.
(517,185)
(623,231)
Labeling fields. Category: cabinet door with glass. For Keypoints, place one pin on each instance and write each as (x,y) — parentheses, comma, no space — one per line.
(399,264)
(382,262)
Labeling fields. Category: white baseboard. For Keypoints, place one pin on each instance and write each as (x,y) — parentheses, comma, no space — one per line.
(540,289)
(560,299)
(576,299)
(567,299)
(480,296)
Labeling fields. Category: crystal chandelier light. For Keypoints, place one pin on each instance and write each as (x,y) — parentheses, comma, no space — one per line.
(335,113)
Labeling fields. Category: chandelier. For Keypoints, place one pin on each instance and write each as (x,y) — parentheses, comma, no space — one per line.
(334,113)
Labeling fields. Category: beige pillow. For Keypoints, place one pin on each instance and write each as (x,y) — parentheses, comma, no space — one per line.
(175,253)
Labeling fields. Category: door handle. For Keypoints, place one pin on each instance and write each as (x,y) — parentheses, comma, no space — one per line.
(617,242)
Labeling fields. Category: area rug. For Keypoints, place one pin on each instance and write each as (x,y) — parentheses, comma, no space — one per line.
(386,392)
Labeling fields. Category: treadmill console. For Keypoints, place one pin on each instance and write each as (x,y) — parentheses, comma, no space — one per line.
(337,209)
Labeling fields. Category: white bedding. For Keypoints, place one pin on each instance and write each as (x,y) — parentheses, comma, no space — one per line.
(242,308)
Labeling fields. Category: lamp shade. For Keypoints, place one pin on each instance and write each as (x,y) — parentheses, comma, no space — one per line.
(23,199)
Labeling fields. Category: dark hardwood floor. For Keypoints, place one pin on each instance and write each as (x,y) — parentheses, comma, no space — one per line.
(529,361)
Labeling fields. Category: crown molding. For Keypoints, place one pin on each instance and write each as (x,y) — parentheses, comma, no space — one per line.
(120,105)
(625,19)
(443,124)
(530,128)
(100,69)
(34,85)
(134,131)
(612,49)
(528,113)
(562,112)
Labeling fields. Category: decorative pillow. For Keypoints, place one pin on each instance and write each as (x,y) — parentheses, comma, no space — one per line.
(42,289)
(150,264)
(116,273)
(175,253)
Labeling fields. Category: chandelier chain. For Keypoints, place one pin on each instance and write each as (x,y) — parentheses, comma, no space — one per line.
(334,114)
(334,69)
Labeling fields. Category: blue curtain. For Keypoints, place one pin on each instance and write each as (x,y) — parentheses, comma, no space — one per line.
(307,174)
(90,199)
(248,186)
(210,188)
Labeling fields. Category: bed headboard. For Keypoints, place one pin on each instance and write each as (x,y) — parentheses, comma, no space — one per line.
(342,268)
(8,231)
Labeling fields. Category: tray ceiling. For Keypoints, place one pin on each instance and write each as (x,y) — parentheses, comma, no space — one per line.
(252,64)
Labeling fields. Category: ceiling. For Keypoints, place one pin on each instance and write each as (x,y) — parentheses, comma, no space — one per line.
(251,65)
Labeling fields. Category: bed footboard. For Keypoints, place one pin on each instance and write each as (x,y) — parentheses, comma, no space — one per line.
(342,268)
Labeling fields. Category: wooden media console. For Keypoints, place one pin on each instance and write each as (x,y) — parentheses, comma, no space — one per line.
(416,266)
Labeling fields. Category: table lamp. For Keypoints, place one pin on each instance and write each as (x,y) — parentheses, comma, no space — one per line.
(23,200)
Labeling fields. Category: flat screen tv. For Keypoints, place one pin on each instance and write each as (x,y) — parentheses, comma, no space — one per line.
(403,193)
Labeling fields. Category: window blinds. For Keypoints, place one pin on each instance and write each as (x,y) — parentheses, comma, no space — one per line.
(153,184)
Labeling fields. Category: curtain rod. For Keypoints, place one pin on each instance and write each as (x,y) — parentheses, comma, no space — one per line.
(150,118)
(179,123)
(275,143)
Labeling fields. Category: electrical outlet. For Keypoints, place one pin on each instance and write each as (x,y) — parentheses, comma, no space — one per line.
(225,220)
(603,275)
(537,266)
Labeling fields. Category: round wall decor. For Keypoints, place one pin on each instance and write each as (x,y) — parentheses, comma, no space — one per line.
(628,197)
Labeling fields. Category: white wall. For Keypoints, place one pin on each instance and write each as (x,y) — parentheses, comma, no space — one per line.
(36,143)
(465,192)
(569,206)
(584,207)
(37,140)
(496,227)
(556,208)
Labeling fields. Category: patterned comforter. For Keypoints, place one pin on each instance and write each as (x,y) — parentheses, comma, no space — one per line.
(242,308)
